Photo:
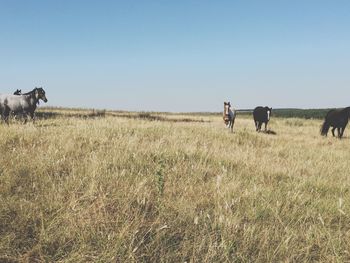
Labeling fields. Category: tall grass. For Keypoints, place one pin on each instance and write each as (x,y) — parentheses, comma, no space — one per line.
(116,189)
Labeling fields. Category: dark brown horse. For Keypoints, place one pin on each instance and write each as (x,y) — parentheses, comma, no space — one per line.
(337,119)
(261,115)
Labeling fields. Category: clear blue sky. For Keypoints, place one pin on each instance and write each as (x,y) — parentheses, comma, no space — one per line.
(178,55)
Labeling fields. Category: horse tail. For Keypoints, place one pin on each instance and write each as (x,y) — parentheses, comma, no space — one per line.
(324,128)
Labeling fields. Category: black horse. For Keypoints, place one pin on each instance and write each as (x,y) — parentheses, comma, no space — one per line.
(338,119)
(261,115)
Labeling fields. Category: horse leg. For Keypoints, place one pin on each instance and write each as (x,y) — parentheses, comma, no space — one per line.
(342,131)
(265,126)
(2,115)
(32,116)
(333,131)
(25,117)
(232,122)
(6,114)
(338,130)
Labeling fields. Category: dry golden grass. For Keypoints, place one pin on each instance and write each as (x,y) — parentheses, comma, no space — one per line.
(118,189)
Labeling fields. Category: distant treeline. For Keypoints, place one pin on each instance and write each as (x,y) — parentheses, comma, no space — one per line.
(302,113)
(295,113)
(282,113)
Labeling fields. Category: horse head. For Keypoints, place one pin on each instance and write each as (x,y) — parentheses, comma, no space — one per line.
(228,112)
(268,112)
(348,111)
(227,106)
(40,94)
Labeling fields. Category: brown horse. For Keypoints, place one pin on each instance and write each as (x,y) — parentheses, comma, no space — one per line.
(229,115)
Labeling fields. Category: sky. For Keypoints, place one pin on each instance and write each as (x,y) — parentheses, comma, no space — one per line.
(178,56)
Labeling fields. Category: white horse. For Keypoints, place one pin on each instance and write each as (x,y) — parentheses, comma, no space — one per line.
(229,115)
(21,104)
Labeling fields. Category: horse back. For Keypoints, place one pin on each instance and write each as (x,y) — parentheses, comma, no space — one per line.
(15,103)
(260,114)
(336,118)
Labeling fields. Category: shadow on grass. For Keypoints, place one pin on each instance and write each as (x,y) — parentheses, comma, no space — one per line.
(52,115)
(45,125)
(101,114)
(46,114)
(150,117)
(270,132)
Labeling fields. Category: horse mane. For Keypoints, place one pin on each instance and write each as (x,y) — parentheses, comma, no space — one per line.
(30,92)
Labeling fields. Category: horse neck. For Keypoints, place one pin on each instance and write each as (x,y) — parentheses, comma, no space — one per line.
(31,98)
(231,111)
(30,92)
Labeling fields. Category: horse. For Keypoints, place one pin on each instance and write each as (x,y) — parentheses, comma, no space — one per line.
(18,92)
(261,115)
(338,119)
(21,104)
(229,115)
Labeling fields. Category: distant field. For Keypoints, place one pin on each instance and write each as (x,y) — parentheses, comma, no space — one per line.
(103,186)
(284,113)
(293,113)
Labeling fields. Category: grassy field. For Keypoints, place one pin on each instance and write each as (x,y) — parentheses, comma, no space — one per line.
(118,187)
